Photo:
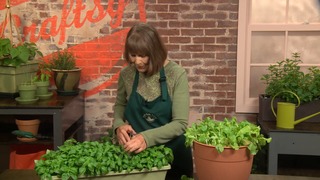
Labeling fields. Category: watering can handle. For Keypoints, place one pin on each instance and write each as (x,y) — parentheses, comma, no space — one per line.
(280,93)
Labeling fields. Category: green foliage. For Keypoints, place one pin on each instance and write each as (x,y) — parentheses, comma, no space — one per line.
(63,60)
(43,73)
(184,177)
(75,159)
(286,75)
(15,55)
(227,133)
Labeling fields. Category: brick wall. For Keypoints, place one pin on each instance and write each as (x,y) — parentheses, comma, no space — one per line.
(201,35)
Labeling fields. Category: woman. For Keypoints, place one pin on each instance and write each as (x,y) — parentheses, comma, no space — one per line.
(152,104)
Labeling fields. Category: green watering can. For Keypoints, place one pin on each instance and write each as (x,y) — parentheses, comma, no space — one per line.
(286,113)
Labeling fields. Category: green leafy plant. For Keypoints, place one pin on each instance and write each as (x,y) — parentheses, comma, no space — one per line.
(226,133)
(287,75)
(74,159)
(15,55)
(63,60)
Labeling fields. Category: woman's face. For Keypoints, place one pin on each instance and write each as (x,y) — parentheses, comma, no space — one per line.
(141,62)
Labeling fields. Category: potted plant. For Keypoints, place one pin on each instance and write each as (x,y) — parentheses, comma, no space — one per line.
(224,149)
(16,62)
(287,76)
(28,125)
(103,160)
(65,72)
(42,81)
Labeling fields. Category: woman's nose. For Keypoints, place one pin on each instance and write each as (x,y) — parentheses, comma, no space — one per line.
(138,60)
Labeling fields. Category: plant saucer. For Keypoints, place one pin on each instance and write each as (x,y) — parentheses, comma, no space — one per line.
(45,96)
(23,139)
(26,101)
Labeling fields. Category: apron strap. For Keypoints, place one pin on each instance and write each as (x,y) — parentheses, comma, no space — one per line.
(163,85)
(135,83)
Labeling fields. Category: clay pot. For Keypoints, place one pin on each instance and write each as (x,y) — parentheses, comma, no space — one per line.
(229,165)
(28,126)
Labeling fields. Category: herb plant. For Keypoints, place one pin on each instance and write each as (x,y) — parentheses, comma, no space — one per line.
(74,159)
(63,60)
(227,133)
(286,75)
(43,73)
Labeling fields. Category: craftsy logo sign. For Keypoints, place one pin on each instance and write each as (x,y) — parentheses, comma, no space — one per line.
(99,57)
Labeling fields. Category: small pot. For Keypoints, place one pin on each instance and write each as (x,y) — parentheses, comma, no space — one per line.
(27,91)
(31,126)
(42,87)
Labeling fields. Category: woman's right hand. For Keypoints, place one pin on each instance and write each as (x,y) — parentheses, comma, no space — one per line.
(123,133)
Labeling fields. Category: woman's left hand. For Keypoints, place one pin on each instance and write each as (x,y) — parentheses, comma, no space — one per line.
(136,144)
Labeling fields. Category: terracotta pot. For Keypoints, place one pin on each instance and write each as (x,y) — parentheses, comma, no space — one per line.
(229,165)
(28,126)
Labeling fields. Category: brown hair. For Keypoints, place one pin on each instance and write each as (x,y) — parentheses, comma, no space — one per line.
(143,39)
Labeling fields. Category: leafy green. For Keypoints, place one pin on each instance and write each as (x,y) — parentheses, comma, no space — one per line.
(227,133)
(287,75)
(15,55)
(92,158)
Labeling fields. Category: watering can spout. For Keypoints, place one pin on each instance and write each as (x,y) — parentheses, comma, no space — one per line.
(305,118)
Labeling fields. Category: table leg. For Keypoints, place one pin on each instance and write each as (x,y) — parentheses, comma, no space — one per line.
(58,134)
(273,158)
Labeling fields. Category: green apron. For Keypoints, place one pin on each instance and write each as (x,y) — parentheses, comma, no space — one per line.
(143,115)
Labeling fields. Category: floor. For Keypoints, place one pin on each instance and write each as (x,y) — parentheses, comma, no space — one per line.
(299,165)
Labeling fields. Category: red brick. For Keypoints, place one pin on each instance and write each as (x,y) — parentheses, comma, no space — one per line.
(203,55)
(157,8)
(228,7)
(216,79)
(168,15)
(211,32)
(179,55)
(202,101)
(169,1)
(203,87)
(230,55)
(226,87)
(225,102)
(204,40)
(179,39)
(203,71)
(192,48)
(226,71)
(179,24)
(226,24)
(179,7)
(192,16)
(192,32)
(204,7)
(215,48)
(216,15)
(191,63)
(214,109)
(204,24)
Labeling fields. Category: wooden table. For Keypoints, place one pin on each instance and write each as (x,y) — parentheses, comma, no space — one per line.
(31,175)
(304,139)
(67,114)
